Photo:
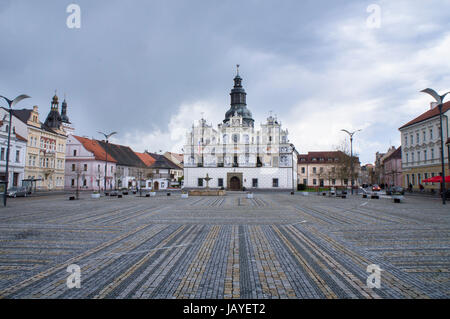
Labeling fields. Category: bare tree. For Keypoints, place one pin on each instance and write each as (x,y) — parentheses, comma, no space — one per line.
(344,163)
(77,173)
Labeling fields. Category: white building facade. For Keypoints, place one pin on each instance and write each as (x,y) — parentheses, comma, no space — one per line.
(236,155)
(421,148)
(85,165)
(17,152)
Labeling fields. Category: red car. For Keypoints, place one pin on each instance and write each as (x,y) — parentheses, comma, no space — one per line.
(376,188)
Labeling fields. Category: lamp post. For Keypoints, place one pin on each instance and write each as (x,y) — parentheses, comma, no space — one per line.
(439,99)
(10,104)
(107,136)
(293,153)
(351,154)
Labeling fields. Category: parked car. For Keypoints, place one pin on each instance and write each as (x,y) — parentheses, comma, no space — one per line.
(17,191)
(113,193)
(376,188)
(395,190)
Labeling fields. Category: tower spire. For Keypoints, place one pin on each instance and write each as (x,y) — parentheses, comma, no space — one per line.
(237,69)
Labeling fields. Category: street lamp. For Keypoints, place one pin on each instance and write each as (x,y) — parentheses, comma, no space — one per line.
(351,153)
(107,136)
(439,99)
(293,153)
(10,104)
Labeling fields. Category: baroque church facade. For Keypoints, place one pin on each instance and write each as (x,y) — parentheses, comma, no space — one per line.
(238,156)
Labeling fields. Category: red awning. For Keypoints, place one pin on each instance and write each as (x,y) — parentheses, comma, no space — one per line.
(436,179)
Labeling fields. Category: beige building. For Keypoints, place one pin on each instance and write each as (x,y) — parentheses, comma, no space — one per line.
(327,169)
(45,155)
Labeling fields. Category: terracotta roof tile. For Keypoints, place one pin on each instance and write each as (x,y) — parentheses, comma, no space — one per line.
(94,147)
(326,155)
(146,158)
(427,115)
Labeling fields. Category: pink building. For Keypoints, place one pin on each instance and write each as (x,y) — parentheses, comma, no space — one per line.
(392,169)
(85,165)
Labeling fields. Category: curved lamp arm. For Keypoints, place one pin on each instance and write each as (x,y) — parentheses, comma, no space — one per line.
(16,100)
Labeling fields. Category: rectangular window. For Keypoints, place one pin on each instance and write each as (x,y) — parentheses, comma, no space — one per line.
(2,154)
(432,153)
(303,170)
(333,181)
(17,156)
(412,139)
(73,167)
(425,155)
(418,138)
(314,181)
(418,156)
(275,182)
(431,134)
(314,170)
(407,157)
(424,136)
(85,182)
(220,182)
(255,183)
(200,182)
(74,152)
(406,140)
(275,161)
(305,181)
(85,167)
(73,182)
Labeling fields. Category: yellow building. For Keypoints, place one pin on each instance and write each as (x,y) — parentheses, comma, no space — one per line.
(45,157)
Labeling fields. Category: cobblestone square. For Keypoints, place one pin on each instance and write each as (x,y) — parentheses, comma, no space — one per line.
(272,246)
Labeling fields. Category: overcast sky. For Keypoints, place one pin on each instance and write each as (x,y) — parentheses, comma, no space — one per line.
(148,69)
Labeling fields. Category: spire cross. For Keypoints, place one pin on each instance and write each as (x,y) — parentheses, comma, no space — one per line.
(237,68)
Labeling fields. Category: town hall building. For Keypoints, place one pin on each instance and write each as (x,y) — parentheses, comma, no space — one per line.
(236,155)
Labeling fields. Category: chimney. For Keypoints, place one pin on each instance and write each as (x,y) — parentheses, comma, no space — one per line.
(433,105)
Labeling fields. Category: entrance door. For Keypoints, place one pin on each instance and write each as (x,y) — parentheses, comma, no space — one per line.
(156,186)
(235,184)
(16,179)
